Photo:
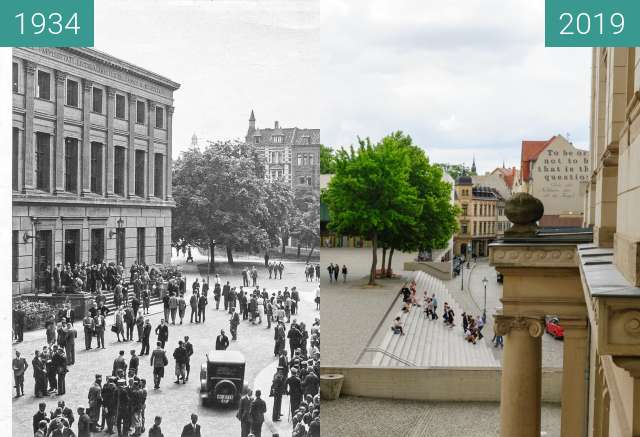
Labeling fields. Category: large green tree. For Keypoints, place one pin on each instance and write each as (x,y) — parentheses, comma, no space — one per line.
(327,160)
(221,195)
(370,194)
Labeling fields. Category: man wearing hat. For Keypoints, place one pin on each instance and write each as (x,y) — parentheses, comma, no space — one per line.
(95,402)
(277,390)
(109,404)
(243,414)
(257,410)
(294,390)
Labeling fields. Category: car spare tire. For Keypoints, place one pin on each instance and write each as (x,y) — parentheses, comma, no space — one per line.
(224,392)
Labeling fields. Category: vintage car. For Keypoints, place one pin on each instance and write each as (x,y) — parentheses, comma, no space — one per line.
(222,378)
(554,328)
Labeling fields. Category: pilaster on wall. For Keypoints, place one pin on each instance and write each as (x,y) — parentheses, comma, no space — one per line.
(606,206)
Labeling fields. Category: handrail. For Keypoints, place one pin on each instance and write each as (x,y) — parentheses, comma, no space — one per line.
(389,354)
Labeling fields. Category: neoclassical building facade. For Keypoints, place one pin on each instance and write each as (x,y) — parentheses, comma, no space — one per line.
(590,280)
(91,171)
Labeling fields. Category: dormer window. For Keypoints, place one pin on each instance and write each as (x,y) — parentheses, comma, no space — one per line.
(256,139)
(277,139)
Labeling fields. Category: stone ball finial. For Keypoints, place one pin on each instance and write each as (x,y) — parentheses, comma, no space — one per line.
(524,211)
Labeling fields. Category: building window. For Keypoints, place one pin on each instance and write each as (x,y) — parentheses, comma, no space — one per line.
(15,76)
(159,245)
(72,93)
(299,159)
(96,168)
(475,228)
(158,173)
(140,112)
(302,180)
(44,85)
(120,245)
(42,161)
(277,139)
(71,165)
(463,228)
(14,157)
(121,106)
(15,255)
(256,139)
(139,175)
(308,180)
(310,159)
(140,245)
(159,117)
(97,100)
(464,210)
(475,209)
(118,170)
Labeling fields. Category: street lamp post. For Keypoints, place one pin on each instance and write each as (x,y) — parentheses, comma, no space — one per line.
(484,309)
(213,256)
(462,273)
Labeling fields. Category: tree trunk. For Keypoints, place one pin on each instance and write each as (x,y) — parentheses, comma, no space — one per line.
(384,256)
(374,261)
(298,256)
(284,245)
(229,255)
(389,271)
(313,246)
(211,254)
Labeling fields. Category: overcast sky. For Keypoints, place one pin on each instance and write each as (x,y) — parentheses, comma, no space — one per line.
(462,77)
(229,56)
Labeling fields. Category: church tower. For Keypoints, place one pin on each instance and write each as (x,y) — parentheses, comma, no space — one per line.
(194,140)
(473,165)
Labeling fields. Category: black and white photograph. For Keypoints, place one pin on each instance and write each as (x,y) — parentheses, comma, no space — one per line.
(166,224)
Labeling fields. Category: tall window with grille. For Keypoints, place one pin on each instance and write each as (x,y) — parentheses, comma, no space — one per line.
(159,245)
(120,245)
(158,176)
(139,176)
(15,76)
(140,245)
(118,170)
(96,167)
(43,158)
(14,157)
(71,165)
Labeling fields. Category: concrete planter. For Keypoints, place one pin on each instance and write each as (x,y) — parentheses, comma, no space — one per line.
(330,386)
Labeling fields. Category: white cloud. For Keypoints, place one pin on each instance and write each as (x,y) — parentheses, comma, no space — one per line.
(461,77)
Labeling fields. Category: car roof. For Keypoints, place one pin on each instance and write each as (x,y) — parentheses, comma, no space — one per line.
(226,356)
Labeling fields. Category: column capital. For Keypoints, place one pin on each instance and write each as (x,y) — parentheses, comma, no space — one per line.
(60,77)
(504,324)
(152,106)
(30,66)
(111,92)
(87,85)
(170,110)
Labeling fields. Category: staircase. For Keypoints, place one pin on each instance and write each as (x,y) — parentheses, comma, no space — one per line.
(108,294)
(430,343)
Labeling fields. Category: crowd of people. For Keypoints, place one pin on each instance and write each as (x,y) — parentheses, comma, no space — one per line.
(118,403)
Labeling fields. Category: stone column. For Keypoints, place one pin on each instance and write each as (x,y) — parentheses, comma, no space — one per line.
(150,151)
(131,189)
(521,376)
(29,156)
(574,384)
(85,164)
(58,146)
(168,167)
(109,151)
(632,365)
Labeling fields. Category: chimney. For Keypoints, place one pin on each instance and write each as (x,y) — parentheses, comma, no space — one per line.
(277,125)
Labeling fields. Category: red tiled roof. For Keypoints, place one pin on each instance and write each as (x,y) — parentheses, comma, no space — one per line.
(530,151)
(508,174)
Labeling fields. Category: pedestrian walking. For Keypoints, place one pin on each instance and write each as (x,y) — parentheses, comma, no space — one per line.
(158,362)
(244,415)
(189,348)
(182,307)
(173,307)
(146,333)
(19,365)
(202,305)
(162,331)
(344,273)
(222,341)
(89,326)
(258,408)
(180,356)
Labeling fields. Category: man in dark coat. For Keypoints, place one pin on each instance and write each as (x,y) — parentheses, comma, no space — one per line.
(277,390)
(225,295)
(294,389)
(70,344)
(191,429)
(95,402)
(193,303)
(202,305)
(258,408)
(189,348)
(162,331)
(39,375)
(222,341)
(39,416)
(19,365)
(244,414)
(60,365)
(89,325)
(146,333)
(84,423)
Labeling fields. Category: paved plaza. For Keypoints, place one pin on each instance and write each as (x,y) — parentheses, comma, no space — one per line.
(175,402)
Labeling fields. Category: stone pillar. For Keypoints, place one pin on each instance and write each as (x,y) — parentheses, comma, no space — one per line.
(574,384)
(521,376)
(600,422)
(29,155)
(85,163)
(605,206)
(168,167)
(131,189)
(58,146)
(632,365)
(109,151)
(150,150)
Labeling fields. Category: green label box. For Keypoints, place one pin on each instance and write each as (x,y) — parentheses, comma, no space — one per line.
(46,23)
(592,23)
